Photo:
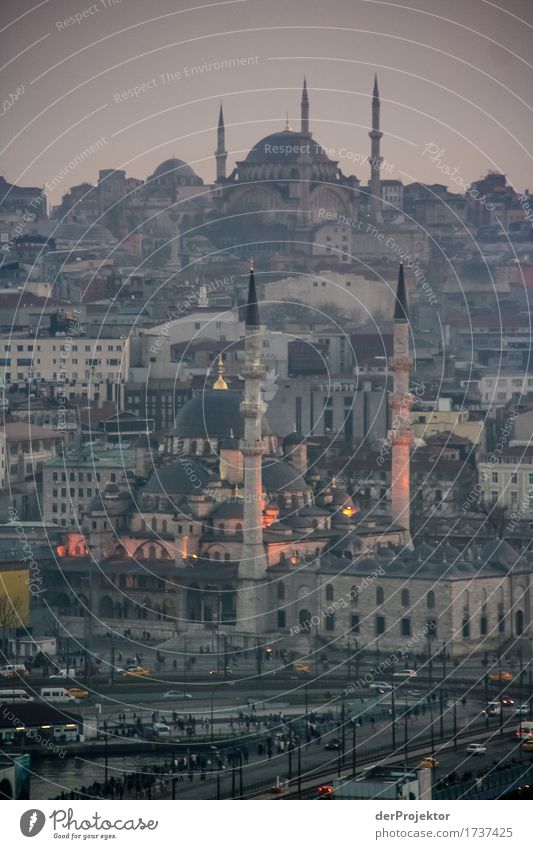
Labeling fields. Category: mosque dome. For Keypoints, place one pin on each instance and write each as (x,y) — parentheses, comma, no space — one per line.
(214,414)
(285,147)
(175,171)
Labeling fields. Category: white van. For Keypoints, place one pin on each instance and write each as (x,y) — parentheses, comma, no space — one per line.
(56,694)
(15,696)
(160,730)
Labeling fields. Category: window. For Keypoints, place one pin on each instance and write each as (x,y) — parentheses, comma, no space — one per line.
(281,591)
(355,623)
(380,625)
(495,477)
(282,619)
(483,624)
(466,628)
(380,595)
(405,598)
(329,593)
(405,627)
(431,600)
(514,477)
(330,622)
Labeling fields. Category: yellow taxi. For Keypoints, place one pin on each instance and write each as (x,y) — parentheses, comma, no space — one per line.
(301,667)
(527,745)
(498,677)
(137,672)
(78,693)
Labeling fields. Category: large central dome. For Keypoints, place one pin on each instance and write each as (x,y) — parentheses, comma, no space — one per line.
(215,414)
(286,146)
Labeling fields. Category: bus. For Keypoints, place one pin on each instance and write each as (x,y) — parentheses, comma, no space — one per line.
(15,696)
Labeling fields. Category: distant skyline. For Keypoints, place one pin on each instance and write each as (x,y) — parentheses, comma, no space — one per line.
(459,76)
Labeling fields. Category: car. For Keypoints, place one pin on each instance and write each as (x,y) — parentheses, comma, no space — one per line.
(220,673)
(176,694)
(325,791)
(78,693)
(527,745)
(505,701)
(429,762)
(302,667)
(137,672)
(333,745)
(476,749)
(381,686)
(498,677)
(405,673)
(14,670)
(522,710)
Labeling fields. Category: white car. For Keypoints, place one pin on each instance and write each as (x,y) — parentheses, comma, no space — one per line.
(476,749)
(380,686)
(405,673)
(176,694)
(522,710)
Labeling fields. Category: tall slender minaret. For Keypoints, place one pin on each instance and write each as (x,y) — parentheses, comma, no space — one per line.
(375,158)
(221,153)
(401,400)
(305,110)
(253,563)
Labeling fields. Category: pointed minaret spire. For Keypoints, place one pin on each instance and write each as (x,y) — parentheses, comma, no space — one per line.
(252,308)
(287,127)
(305,109)
(220,383)
(221,154)
(375,159)
(400,307)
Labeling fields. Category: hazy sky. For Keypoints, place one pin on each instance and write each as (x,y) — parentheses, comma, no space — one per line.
(456,74)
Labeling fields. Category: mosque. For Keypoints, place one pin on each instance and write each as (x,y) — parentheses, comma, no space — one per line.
(227,529)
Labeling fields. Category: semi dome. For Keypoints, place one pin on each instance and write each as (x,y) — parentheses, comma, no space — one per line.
(287,146)
(214,414)
(278,476)
(184,478)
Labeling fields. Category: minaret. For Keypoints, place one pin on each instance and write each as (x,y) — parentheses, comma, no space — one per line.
(221,153)
(305,110)
(252,566)
(375,159)
(401,433)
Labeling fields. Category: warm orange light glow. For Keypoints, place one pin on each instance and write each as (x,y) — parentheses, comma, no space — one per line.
(349,511)
(294,558)
(61,550)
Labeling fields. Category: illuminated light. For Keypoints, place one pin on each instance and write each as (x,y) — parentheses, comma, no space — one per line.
(60,550)
(349,511)
(46,726)
(194,556)
(71,725)
(294,558)
(21,728)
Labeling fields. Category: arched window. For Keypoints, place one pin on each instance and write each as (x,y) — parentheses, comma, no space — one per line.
(217,555)
(281,590)
(304,620)
(380,595)
(329,593)
(238,527)
(164,526)
(354,595)
(405,598)
(151,552)
(226,556)
(519,622)
(154,524)
(221,527)
(431,600)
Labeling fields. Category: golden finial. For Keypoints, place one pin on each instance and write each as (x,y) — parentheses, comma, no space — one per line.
(251,263)
(287,125)
(294,429)
(220,383)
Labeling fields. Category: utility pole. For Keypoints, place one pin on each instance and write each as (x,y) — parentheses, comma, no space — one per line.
(299,768)
(454,725)
(393,705)
(441,723)
(354,741)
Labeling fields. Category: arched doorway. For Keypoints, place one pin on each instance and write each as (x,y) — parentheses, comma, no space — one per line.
(304,620)
(519,622)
